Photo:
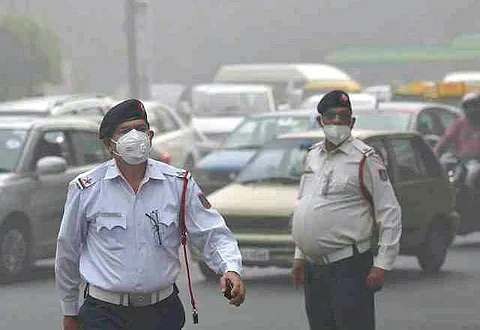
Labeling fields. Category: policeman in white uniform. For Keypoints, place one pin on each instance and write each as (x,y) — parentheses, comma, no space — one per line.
(337,222)
(120,234)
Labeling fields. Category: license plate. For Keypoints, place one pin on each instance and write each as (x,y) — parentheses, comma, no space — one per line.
(255,254)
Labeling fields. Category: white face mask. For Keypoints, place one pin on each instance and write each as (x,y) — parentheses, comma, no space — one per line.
(134,147)
(336,133)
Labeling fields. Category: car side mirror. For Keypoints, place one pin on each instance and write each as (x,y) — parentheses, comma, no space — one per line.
(51,165)
(431,140)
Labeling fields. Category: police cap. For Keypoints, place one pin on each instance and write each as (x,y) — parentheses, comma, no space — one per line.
(334,99)
(122,112)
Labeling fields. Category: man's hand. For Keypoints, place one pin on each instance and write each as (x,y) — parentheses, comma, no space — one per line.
(298,272)
(375,279)
(70,323)
(238,290)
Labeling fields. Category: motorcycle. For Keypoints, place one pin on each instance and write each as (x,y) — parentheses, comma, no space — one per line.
(465,176)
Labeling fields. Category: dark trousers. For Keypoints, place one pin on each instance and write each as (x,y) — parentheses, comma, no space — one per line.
(167,314)
(336,295)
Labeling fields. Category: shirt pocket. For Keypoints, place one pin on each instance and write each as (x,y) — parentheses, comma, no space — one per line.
(111,229)
(169,228)
(343,185)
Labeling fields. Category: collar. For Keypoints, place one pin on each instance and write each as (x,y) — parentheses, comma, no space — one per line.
(153,170)
(345,147)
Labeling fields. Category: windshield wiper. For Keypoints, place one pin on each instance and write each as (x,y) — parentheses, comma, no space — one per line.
(279,179)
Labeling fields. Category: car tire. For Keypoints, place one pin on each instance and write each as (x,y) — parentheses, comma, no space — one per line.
(433,251)
(209,274)
(15,259)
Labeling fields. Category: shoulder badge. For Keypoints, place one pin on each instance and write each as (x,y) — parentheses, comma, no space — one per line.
(89,178)
(206,204)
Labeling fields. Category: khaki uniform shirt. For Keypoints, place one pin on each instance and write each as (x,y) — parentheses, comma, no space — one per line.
(332,213)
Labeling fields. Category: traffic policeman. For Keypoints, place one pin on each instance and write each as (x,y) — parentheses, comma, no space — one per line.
(346,205)
(120,234)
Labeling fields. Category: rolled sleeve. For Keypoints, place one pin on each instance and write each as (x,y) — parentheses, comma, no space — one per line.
(69,242)
(387,212)
(210,234)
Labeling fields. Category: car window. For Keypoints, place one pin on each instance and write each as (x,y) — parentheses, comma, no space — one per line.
(425,123)
(255,132)
(12,142)
(163,120)
(406,159)
(54,143)
(89,147)
(426,159)
(446,119)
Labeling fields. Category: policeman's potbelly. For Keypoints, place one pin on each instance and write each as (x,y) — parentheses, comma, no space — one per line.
(324,223)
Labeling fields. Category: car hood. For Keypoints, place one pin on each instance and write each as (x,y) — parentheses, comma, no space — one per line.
(225,160)
(216,124)
(255,199)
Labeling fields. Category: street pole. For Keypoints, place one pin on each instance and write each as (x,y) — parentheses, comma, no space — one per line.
(130,27)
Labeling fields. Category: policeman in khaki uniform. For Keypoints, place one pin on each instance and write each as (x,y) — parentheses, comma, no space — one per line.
(333,224)
(120,234)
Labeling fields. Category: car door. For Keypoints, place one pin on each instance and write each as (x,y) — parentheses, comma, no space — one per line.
(417,181)
(173,139)
(49,193)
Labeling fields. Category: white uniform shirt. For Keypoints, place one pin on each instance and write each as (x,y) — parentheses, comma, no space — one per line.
(106,239)
(332,213)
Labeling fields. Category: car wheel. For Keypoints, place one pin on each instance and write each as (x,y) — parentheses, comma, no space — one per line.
(434,250)
(14,252)
(209,274)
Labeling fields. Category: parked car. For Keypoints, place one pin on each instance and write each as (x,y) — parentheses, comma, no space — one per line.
(39,158)
(217,108)
(258,206)
(427,118)
(221,166)
(81,104)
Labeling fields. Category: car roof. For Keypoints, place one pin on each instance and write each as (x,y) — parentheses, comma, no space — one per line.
(357,133)
(230,88)
(27,122)
(282,71)
(41,105)
(466,76)
(289,113)
(407,106)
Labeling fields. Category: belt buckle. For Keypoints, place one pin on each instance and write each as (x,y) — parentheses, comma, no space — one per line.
(139,299)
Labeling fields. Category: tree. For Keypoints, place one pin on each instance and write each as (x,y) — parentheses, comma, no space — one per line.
(31,56)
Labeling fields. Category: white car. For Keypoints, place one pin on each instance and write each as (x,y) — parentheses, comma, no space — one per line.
(218,108)
(358,100)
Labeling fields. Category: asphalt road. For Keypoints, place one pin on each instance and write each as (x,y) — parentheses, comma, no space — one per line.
(410,300)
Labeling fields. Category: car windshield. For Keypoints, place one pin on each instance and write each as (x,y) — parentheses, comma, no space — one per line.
(254,132)
(384,120)
(280,161)
(11,147)
(228,103)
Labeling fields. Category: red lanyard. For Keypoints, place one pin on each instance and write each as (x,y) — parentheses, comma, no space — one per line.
(183,230)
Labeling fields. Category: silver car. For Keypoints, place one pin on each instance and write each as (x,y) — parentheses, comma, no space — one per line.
(39,157)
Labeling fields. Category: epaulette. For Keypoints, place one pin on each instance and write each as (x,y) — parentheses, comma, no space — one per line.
(363,148)
(89,178)
(315,146)
(178,173)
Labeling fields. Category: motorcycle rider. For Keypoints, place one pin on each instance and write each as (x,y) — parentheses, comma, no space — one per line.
(464,133)
(462,138)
